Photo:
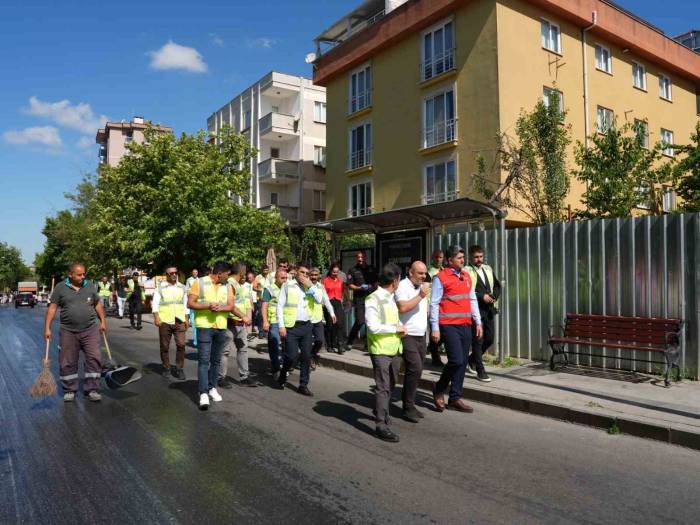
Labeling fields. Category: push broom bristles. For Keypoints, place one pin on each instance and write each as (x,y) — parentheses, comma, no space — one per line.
(45,384)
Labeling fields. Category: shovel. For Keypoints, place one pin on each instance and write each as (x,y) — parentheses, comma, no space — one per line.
(117,376)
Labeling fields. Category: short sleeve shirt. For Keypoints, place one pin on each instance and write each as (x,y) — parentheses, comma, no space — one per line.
(359,275)
(416,320)
(76,307)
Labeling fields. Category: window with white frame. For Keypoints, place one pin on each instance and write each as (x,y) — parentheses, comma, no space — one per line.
(667,141)
(360,199)
(319,200)
(551,36)
(246,119)
(669,200)
(439,119)
(605,119)
(639,76)
(641,130)
(665,87)
(360,146)
(603,59)
(440,182)
(438,51)
(320,112)
(360,89)
(548,94)
(320,156)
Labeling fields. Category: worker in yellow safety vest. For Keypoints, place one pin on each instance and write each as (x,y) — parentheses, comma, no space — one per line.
(317,328)
(239,324)
(104,291)
(294,309)
(384,333)
(269,311)
(435,267)
(171,316)
(135,297)
(212,300)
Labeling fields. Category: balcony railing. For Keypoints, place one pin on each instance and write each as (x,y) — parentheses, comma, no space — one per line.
(278,123)
(286,212)
(439,133)
(432,198)
(278,170)
(360,159)
(358,212)
(437,64)
(361,101)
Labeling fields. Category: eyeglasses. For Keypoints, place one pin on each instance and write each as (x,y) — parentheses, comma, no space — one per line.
(170,273)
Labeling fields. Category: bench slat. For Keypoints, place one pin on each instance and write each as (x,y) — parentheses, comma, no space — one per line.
(588,342)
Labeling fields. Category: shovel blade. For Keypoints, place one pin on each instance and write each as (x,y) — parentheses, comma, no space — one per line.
(122,376)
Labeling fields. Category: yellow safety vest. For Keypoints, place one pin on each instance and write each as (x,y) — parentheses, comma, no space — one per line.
(171,305)
(241,299)
(294,295)
(272,303)
(488,271)
(316,312)
(384,344)
(130,284)
(433,271)
(104,289)
(211,293)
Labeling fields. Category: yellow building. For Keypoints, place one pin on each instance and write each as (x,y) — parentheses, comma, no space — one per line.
(417,89)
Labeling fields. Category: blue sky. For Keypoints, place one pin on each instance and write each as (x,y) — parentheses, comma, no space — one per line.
(67,65)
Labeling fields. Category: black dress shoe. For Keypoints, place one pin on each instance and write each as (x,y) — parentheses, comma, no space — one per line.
(249,382)
(304,391)
(178,373)
(386,435)
(225,383)
(411,415)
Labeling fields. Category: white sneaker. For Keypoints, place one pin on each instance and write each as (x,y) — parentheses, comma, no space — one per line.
(214,395)
(203,401)
(471,372)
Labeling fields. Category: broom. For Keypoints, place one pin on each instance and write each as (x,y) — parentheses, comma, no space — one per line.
(45,384)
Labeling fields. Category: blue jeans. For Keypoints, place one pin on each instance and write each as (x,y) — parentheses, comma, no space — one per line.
(194,329)
(211,344)
(274,344)
(298,346)
(457,340)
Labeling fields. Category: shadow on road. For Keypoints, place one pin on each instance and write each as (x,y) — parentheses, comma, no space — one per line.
(189,388)
(345,413)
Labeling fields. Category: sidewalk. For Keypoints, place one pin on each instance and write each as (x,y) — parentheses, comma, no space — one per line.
(633,404)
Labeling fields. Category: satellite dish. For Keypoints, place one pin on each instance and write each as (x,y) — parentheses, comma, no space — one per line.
(310,58)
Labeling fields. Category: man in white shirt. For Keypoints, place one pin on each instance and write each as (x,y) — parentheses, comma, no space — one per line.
(411,298)
(171,316)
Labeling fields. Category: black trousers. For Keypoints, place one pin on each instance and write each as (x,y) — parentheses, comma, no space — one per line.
(479,346)
(298,347)
(317,335)
(413,356)
(434,349)
(135,311)
(359,305)
(334,331)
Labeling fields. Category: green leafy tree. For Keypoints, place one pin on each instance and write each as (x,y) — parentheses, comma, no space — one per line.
(313,246)
(620,173)
(534,161)
(12,268)
(687,171)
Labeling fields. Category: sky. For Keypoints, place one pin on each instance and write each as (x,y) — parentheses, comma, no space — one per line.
(68,66)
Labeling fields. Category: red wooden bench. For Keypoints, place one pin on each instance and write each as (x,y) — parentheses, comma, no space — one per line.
(645,334)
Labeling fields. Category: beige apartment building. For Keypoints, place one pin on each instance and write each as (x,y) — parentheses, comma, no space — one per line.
(115,136)
(418,89)
(284,118)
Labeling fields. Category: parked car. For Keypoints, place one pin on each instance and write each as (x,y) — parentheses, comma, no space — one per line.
(25,299)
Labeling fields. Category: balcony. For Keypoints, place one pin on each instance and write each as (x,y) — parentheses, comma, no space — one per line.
(279,127)
(278,171)
(446,196)
(438,64)
(286,212)
(439,133)
(360,159)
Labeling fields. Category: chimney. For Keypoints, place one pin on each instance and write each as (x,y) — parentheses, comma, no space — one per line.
(390,5)
(138,120)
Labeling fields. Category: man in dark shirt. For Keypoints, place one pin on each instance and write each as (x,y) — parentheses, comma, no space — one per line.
(82,321)
(362,280)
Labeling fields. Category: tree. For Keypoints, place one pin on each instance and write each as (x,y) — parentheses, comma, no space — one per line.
(12,269)
(311,246)
(170,201)
(620,173)
(537,179)
(687,171)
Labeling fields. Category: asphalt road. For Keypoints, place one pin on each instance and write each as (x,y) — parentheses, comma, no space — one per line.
(146,454)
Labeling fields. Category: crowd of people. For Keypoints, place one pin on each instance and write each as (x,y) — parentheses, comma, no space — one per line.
(400,315)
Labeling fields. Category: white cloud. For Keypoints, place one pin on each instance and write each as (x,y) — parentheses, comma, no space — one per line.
(262,42)
(216,40)
(175,56)
(85,142)
(80,116)
(43,135)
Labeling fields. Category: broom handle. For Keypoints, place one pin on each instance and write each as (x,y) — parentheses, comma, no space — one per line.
(46,353)
(109,354)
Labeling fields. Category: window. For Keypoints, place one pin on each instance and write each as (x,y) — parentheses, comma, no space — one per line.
(320,156)
(320,112)
(667,140)
(129,136)
(439,123)
(603,59)
(440,183)
(274,198)
(438,51)
(361,89)
(360,199)
(274,153)
(665,87)
(605,119)
(639,76)
(641,130)
(275,109)
(246,119)
(547,94)
(319,200)
(669,200)
(360,146)
(551,36)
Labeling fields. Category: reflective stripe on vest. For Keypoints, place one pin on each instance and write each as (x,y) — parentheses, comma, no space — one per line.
(384,344)
(104,290)
(272,303)
(171,305)
(455,305)
(210,293)
(316,309)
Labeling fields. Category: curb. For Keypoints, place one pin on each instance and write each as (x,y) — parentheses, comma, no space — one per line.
(626,425)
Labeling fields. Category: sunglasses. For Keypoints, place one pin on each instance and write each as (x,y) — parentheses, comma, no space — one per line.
(171,273)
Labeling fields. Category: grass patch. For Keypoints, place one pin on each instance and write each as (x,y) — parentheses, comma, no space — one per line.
(614,430)
(594,404)
(492,360)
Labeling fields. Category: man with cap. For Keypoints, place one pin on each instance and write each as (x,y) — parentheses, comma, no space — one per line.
(453,310)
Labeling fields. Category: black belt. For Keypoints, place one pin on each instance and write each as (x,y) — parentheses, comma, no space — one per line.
(301,323)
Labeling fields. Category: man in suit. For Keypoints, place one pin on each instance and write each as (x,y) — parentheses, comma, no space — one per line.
(488,290)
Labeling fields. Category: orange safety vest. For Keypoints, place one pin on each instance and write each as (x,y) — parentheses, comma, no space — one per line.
(455,306)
